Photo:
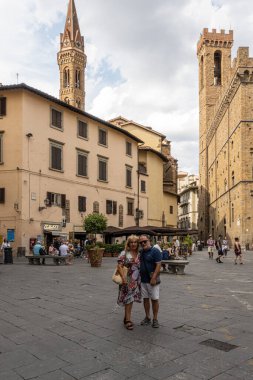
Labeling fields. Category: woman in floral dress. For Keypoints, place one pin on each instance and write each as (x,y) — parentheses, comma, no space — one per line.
(130,290)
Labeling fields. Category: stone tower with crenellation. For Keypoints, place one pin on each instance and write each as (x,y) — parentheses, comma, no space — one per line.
(214,56)
(72,61)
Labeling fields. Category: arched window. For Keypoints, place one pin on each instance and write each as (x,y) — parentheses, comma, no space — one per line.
(78,78)
(217,68)
(66,100)
(120,216)
(66,77)
(95,207)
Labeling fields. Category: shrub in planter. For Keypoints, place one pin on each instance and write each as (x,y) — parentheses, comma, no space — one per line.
(95,224)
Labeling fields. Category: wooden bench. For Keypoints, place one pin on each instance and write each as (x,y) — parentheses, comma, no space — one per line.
(35,259)
(175,266)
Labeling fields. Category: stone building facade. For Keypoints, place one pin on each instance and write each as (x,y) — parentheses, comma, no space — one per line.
(58,163)
(225,138)
(188,201)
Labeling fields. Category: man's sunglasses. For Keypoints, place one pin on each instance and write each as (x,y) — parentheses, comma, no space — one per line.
(143,241)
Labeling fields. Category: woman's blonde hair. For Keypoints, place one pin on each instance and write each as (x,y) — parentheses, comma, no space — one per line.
(129,240)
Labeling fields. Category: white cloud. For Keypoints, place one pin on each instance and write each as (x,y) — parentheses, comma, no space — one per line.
(141,56)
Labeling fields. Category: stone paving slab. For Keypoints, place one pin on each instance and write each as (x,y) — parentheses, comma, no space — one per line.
(63,323)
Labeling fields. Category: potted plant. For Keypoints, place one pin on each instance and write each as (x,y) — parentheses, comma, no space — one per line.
(188,243)
(95,224)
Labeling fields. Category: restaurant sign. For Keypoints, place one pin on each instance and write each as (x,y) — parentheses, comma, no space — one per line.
(52,227)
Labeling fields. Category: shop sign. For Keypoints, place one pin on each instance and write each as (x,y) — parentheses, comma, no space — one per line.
(52,227)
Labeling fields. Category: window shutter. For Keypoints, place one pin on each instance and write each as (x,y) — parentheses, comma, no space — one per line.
(63,201)
(114,206)
(56,158)
(108,207)
(2,106)
(49,197)
(2,195)
(81,204)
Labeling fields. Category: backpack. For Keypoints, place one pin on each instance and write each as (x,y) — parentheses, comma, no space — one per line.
(42,251)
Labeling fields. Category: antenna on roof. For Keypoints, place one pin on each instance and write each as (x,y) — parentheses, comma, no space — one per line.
(17,77)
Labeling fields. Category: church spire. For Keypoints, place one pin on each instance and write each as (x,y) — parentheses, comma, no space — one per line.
(72,60)
(72,34)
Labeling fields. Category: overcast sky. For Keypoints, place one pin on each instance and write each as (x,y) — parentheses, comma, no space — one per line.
(141,57)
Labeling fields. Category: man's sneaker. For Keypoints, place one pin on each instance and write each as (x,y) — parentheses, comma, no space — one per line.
(155,324)
(146,321)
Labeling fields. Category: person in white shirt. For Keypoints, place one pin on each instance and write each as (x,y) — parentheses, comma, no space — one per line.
(64,251)
(158,245)
(5,244)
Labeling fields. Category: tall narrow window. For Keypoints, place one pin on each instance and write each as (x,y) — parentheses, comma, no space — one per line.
(102,137)
(111,207)
(128,148)
(82,163)
(201,70)
(82,129)
(95,207)
(2,195)
(2,106)
(130,206)
(128,176)
(143,186)
(56,158)
(66,77)
(56,118)
(78,78)
(81,204)
(102,168)
(217,68)
(1,148)
(232,213)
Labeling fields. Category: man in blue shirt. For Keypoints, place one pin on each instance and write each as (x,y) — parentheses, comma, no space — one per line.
(150,258)
(37,251)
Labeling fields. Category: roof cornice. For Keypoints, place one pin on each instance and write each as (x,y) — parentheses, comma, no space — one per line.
(25,87)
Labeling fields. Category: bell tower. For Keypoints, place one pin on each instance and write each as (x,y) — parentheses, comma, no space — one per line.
(72,61)
(214,56)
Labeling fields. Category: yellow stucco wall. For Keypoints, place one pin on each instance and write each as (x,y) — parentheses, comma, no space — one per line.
(27,186)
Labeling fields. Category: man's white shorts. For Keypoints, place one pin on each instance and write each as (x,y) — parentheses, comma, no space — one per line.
(149,291)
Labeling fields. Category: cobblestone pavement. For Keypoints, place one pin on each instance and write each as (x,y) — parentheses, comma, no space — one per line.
(63,323)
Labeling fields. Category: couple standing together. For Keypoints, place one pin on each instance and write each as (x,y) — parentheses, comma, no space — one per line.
(141,279)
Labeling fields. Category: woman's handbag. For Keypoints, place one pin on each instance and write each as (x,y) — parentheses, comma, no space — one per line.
(116,277)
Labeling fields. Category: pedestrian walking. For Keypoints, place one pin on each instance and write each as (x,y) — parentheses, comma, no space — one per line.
(150,265)
(238,251)
(130,290)
(219,249)
(225,246)
(210,246)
